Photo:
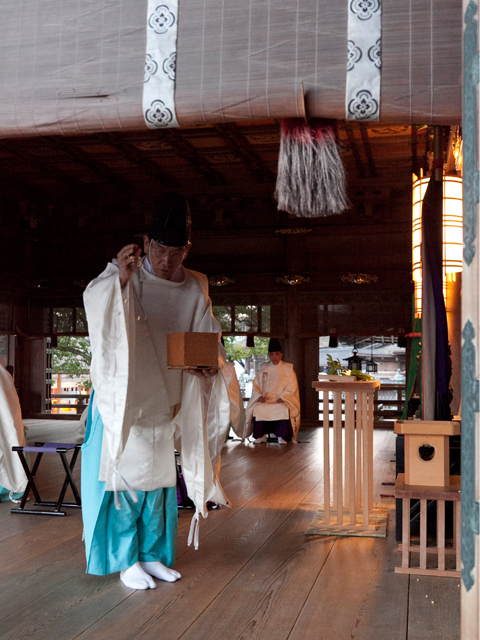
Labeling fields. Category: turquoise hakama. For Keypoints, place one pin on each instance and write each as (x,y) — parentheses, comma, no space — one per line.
(144,531)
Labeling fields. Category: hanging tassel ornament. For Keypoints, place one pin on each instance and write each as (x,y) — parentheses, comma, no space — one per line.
(311,175)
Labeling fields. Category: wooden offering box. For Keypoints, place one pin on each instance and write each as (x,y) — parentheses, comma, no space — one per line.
(427,451)
(192,349)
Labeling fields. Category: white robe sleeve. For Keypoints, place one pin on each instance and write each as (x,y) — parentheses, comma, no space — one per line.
(237,412)
(200,434)
(109,313)
(12,475)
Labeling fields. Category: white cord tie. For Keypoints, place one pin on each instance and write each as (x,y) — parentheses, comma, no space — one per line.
(131,492)
(194,533)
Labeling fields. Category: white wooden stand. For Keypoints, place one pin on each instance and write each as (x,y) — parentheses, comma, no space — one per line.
(352,469)
(441,494)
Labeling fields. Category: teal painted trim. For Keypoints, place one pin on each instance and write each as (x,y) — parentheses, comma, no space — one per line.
(470,406)
(470,131)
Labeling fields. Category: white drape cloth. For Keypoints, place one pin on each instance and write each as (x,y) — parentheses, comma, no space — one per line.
(135,390)
(161,55)
(237,412)
(280,382)
(364,60)
(12,475)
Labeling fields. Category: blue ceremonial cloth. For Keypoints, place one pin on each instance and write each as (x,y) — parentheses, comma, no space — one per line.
(144,531)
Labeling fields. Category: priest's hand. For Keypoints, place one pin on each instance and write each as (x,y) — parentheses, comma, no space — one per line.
(128,259)
(280,401)
(202,373)
(261,399)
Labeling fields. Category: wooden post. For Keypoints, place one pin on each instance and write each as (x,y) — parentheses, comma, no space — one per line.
(365,448)
(326,457)
(350,454)
(405,532)
(441,534)
(371,419)
(337,453)
(457,534)
(423,533)
(358,425)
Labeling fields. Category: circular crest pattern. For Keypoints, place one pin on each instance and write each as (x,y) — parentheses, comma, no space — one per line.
(353,56)
(151,68)
(363,106)
(375,53)
(158,114)
(161,19)
(364,9)
(169,65)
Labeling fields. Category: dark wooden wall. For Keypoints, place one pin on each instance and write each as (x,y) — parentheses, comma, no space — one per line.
(48,263)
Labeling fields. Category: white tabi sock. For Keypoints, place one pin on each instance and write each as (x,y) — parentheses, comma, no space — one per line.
(281,440)
(259,440)
(136,578)
(160,571)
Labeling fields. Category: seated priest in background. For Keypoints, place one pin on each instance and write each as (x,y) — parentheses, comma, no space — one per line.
(274,407)
(142,411)
(13,480)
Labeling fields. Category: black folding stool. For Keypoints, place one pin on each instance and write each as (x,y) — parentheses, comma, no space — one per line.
(49,447)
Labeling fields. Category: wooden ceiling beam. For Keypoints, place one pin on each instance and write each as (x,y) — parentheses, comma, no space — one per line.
(46,169)
(82,157)
(133,155)
(354,150)
(243,150)
(188,152)
(367,149)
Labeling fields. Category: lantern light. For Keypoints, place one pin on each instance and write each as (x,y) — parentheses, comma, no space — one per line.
(452,232)
(372,366)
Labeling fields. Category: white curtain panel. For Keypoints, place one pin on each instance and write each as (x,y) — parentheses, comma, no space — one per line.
(159,83)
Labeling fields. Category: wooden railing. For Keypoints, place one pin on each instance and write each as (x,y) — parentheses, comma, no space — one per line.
(79,406)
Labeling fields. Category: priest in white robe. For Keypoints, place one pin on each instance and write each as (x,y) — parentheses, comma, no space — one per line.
(274,407)
(142,411)
(12,433)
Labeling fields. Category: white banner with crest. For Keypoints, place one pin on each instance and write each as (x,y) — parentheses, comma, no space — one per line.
(159,81)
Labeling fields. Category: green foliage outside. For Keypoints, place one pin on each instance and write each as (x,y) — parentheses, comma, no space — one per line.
(335,368)
(243,318)
(239,353)
(72,357)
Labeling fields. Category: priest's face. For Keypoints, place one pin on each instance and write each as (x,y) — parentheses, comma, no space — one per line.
(275,356)
(164,260)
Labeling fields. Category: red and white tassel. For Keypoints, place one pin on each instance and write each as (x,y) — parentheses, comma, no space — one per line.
(311,175)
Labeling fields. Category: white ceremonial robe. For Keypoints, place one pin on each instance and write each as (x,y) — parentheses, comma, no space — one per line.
(237,411)
(12,475)
(274,382)
(135,391)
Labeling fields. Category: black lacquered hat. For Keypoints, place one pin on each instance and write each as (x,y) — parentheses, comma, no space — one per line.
(274,345)
(171,223)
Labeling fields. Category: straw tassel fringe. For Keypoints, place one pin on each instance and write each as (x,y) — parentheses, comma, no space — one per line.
(311,175)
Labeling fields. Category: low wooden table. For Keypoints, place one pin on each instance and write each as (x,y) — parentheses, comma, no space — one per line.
(441,495)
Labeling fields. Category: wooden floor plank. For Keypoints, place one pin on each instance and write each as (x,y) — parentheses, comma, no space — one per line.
(264,598)
(366,601)
(434,608)
(209,570)
(262,476)
(255,575)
